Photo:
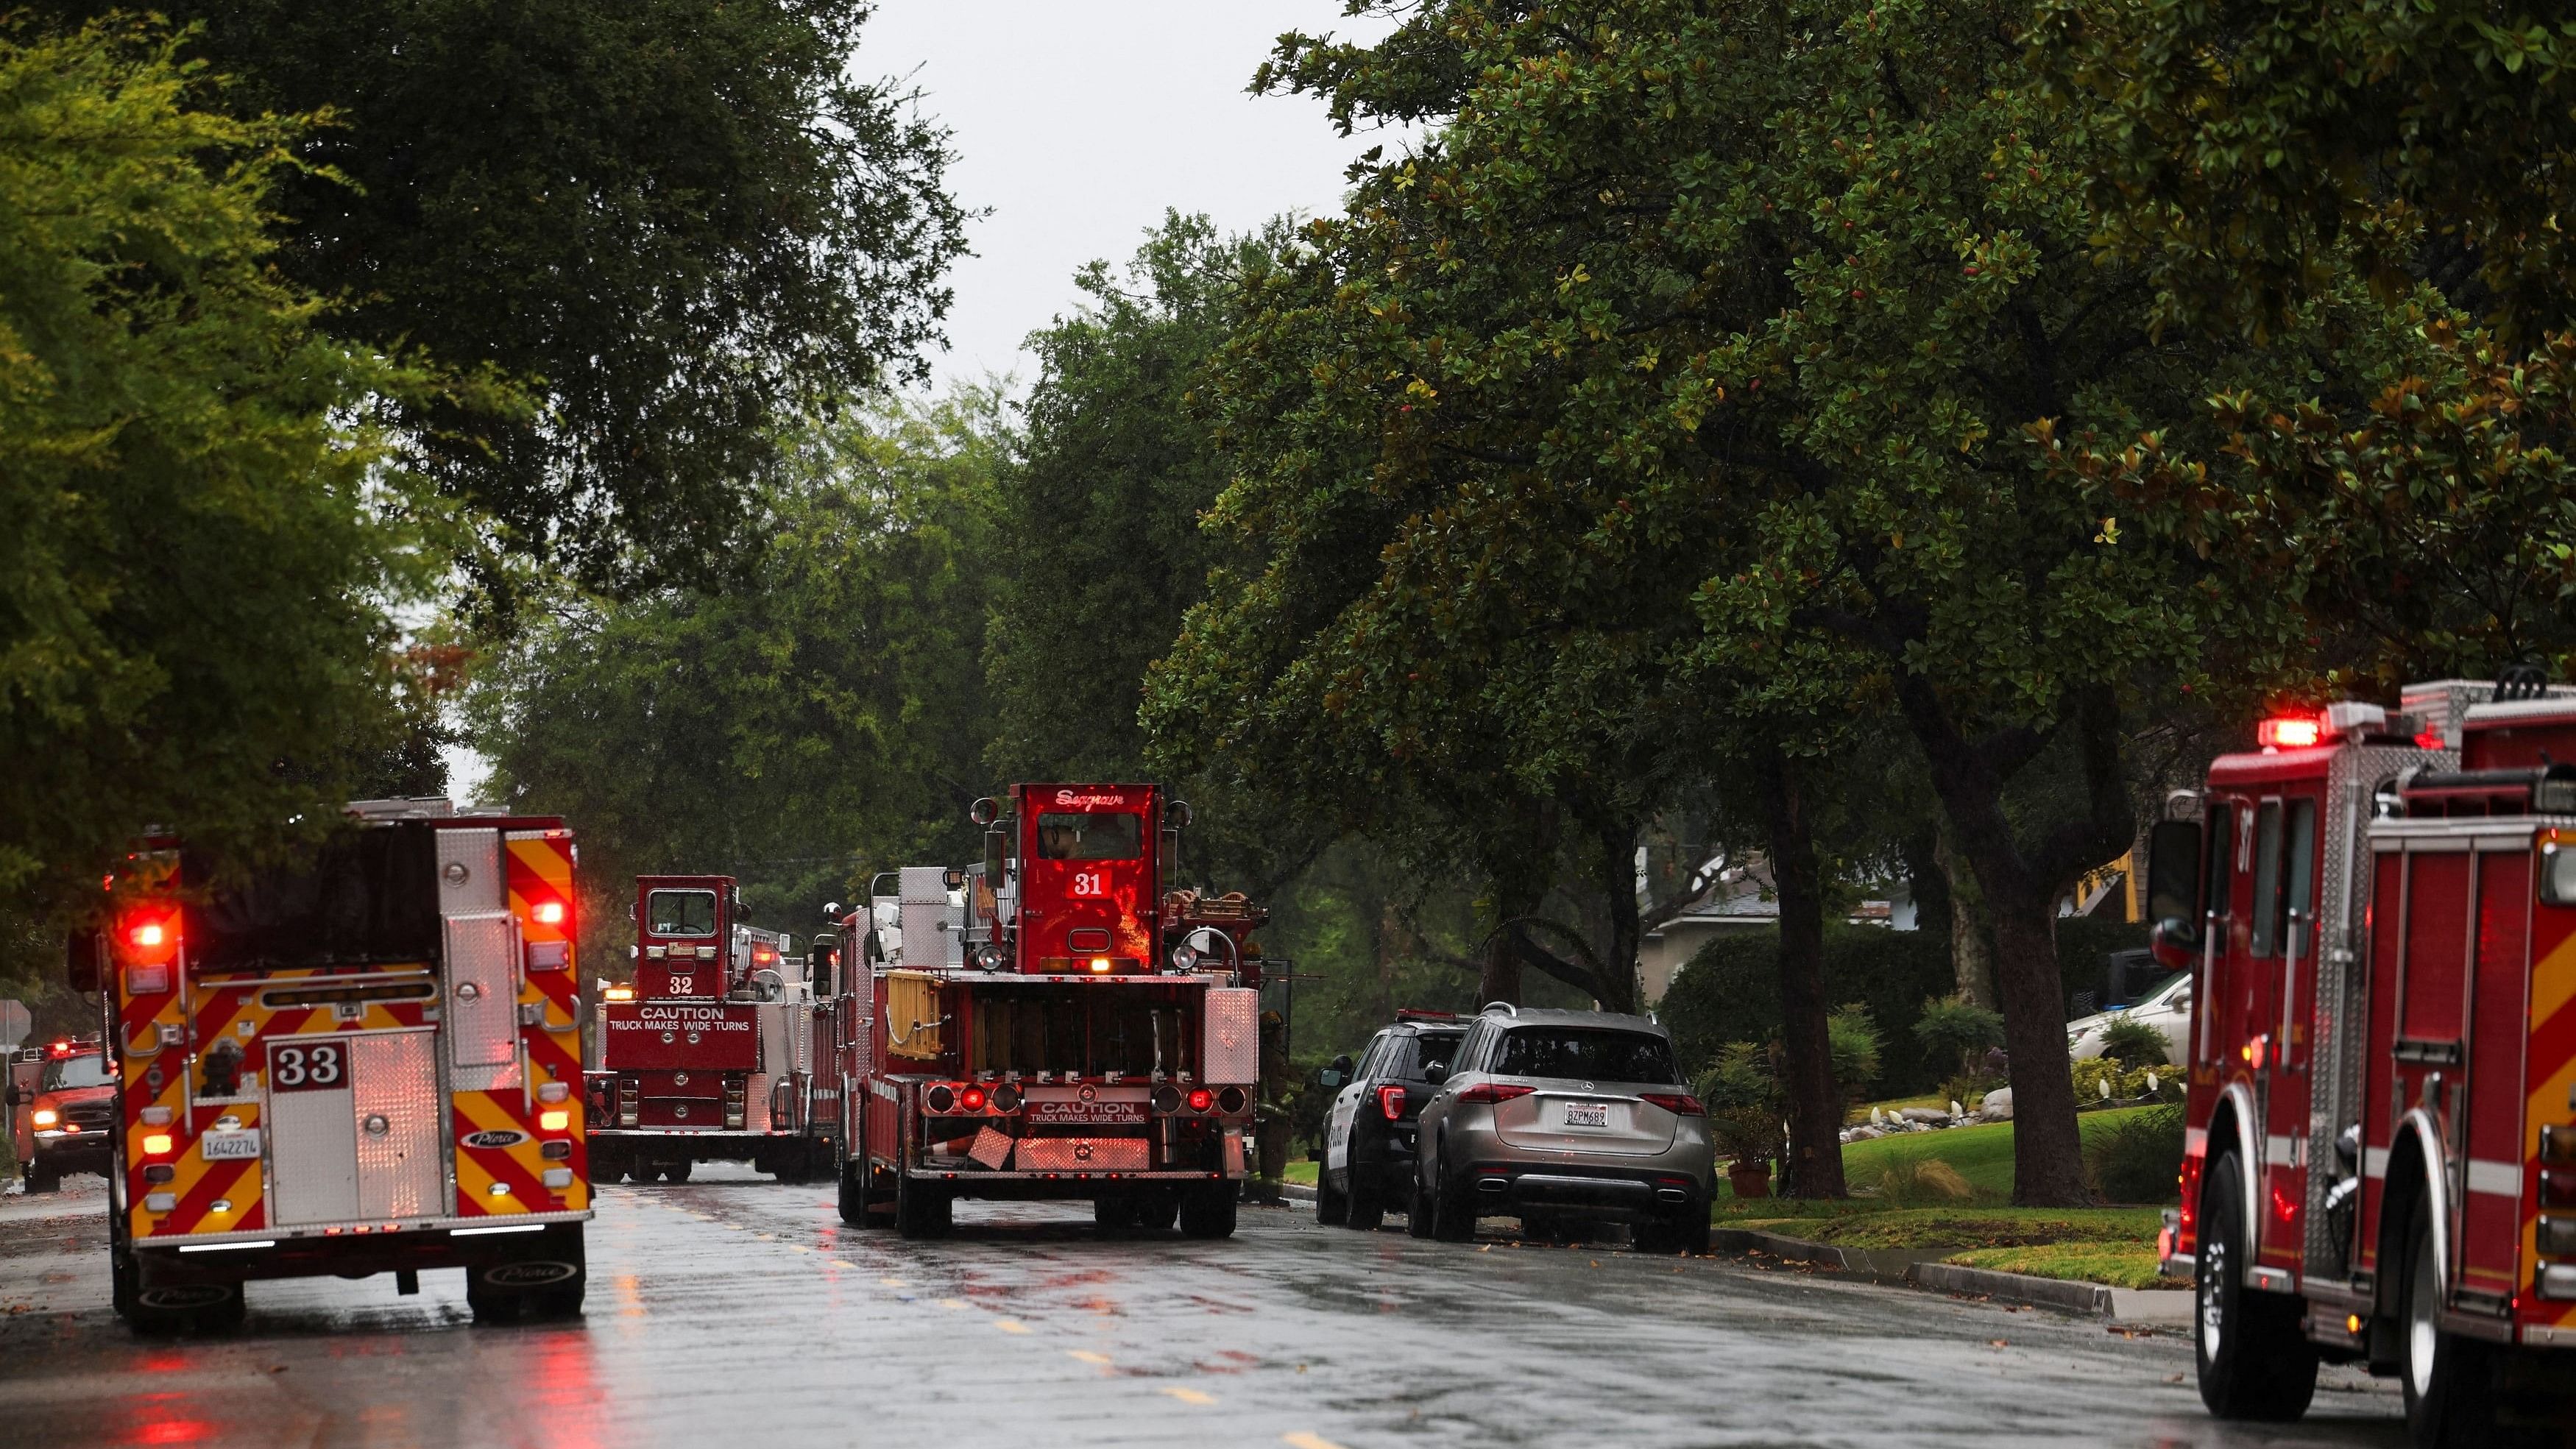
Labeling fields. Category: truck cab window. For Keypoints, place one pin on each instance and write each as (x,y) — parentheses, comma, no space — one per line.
(680,913)
(1071,836)
(2222,858)
(2300,883)
(2267,879)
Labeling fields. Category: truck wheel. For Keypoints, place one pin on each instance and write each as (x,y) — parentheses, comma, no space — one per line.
(1209,1211)
(2449,1379)
(1114,1214)
(854,1193)
(185,1309)
(120,1280)
(41,1178)
(2254,1362)
(1158,1210)
(1417,1208)
(1332,1204)
(1367,1202)
(544,1280)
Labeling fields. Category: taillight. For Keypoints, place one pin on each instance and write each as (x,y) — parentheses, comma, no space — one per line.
(1486,1094)
(157,1144)
(941,1098)
(1390,1100)
(1201,1099)
(972,1099)
(1680,1104)
(2558,1189)
(555,1119)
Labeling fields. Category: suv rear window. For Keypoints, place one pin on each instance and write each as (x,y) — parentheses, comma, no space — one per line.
(1422,1050)
(1589,1053)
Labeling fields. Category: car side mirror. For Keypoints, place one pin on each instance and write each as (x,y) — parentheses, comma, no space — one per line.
(1331,1078)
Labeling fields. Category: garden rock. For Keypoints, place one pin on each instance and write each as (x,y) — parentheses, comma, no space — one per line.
(1932,1116)
(1998,1106)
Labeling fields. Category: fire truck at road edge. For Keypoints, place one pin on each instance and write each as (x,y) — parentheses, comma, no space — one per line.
(2380,1148)
(366,1064)
(62,1109)
(1051,1023)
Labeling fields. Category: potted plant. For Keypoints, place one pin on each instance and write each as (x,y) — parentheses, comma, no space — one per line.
(1743,1103)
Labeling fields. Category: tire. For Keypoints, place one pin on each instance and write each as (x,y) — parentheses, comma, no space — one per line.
(1453,1217)
(854,1193)
(1684,1234)
(2449,1379)
(1332,1204)
(120,1280)
(1367,1204)
(678,1172)
(1209,1211)
(41,1178)
(1418,1208)
(2253,1361)
(1158,1210)
(1114,1215)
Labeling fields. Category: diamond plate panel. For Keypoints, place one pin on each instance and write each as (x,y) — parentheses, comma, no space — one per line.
(482,991)
(470,878)
(395,1104)
(1082,1154)
(1230,1050)
(313,1157)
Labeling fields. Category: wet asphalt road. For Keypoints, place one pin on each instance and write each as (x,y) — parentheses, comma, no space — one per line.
(741,1314)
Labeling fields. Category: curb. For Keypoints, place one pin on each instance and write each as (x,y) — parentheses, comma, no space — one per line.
(1920,1269)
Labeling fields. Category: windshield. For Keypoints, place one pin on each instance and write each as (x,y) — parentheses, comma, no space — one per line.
(680,913)
(369,895)
(66,1073)
(1585,1052)
(1090,837)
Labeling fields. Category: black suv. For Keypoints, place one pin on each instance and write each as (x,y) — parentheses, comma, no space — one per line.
(1368,1136)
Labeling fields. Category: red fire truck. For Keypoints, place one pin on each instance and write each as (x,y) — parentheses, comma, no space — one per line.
(709,1055)
(1051,1023)
(2380,1159)
(62,1110)
(364,1064)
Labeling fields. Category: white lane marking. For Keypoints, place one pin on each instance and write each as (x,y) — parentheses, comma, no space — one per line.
(1191,1396)
(1087,1356)
(1010,1325)
(1303,1440)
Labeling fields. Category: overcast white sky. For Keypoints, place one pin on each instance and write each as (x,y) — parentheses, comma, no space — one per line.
(1077,122)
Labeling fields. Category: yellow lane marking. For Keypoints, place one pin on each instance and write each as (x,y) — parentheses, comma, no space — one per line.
(1191,1396)
(1303,1440)
(1087,1356)
(766,1237)
(843,1263)
(952,1302)
(1010,1325)
(894,1282)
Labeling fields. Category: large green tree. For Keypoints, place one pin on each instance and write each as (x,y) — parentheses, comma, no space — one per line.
(1684,369)
(205,536)
(815,717)
(675,224)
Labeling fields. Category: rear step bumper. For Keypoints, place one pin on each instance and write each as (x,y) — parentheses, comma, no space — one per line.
(239,1257)
(1624,1197)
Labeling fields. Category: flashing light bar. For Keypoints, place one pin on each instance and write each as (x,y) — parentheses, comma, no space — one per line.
(225,1247)
(619,993)
(2295,732)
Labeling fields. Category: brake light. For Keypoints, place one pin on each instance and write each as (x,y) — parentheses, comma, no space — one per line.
(555,1119)
(548,913)
(1487,1094)
(1680,1104)
(1390,1100)
(156,1144)
(2289,733)
(763,954)
(972,1099)
(1201,1099)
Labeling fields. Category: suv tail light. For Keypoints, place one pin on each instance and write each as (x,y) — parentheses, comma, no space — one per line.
(1486,1094)
(1390,1100)
(1680,1104)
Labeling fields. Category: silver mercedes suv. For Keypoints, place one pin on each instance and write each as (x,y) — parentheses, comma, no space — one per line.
(1562,1118)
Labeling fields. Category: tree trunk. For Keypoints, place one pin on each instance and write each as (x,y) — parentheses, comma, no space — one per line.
(1618,969)
(1972,958)
(1815,1165)
(2020,897)
(1926,881)
(1500,980)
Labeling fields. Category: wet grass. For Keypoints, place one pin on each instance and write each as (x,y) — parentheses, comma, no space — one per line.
(2122,1265)
(1969,1227)
(1302,1173)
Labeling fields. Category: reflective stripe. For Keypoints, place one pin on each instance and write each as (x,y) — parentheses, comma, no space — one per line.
(2279,1151)
(2374,1162)
(2498,1179)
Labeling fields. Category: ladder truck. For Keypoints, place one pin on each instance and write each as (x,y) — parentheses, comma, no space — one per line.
(366,1062)
(2380,1123)
(1051,1023)
(709,1055)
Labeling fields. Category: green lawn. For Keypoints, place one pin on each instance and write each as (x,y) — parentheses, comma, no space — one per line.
(2122,1265)
(1301,1171)
(1982,1155)
(1966,1227)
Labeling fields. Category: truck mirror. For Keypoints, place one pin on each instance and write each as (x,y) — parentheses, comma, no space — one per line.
(997,853)
(80,961)
(2173,874)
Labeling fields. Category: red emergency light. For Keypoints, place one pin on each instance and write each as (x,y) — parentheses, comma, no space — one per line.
(1201,1099)
(150,935)
(2289,732)
(549,913)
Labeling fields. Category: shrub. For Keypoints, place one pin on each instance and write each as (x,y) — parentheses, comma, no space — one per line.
(1911,1180)
(1730,991)
(1743,1100)
(2139,1160)
(2125,1083)
(1856,1044)
(1954,1029)
(2133,1043)
(1967,1088)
